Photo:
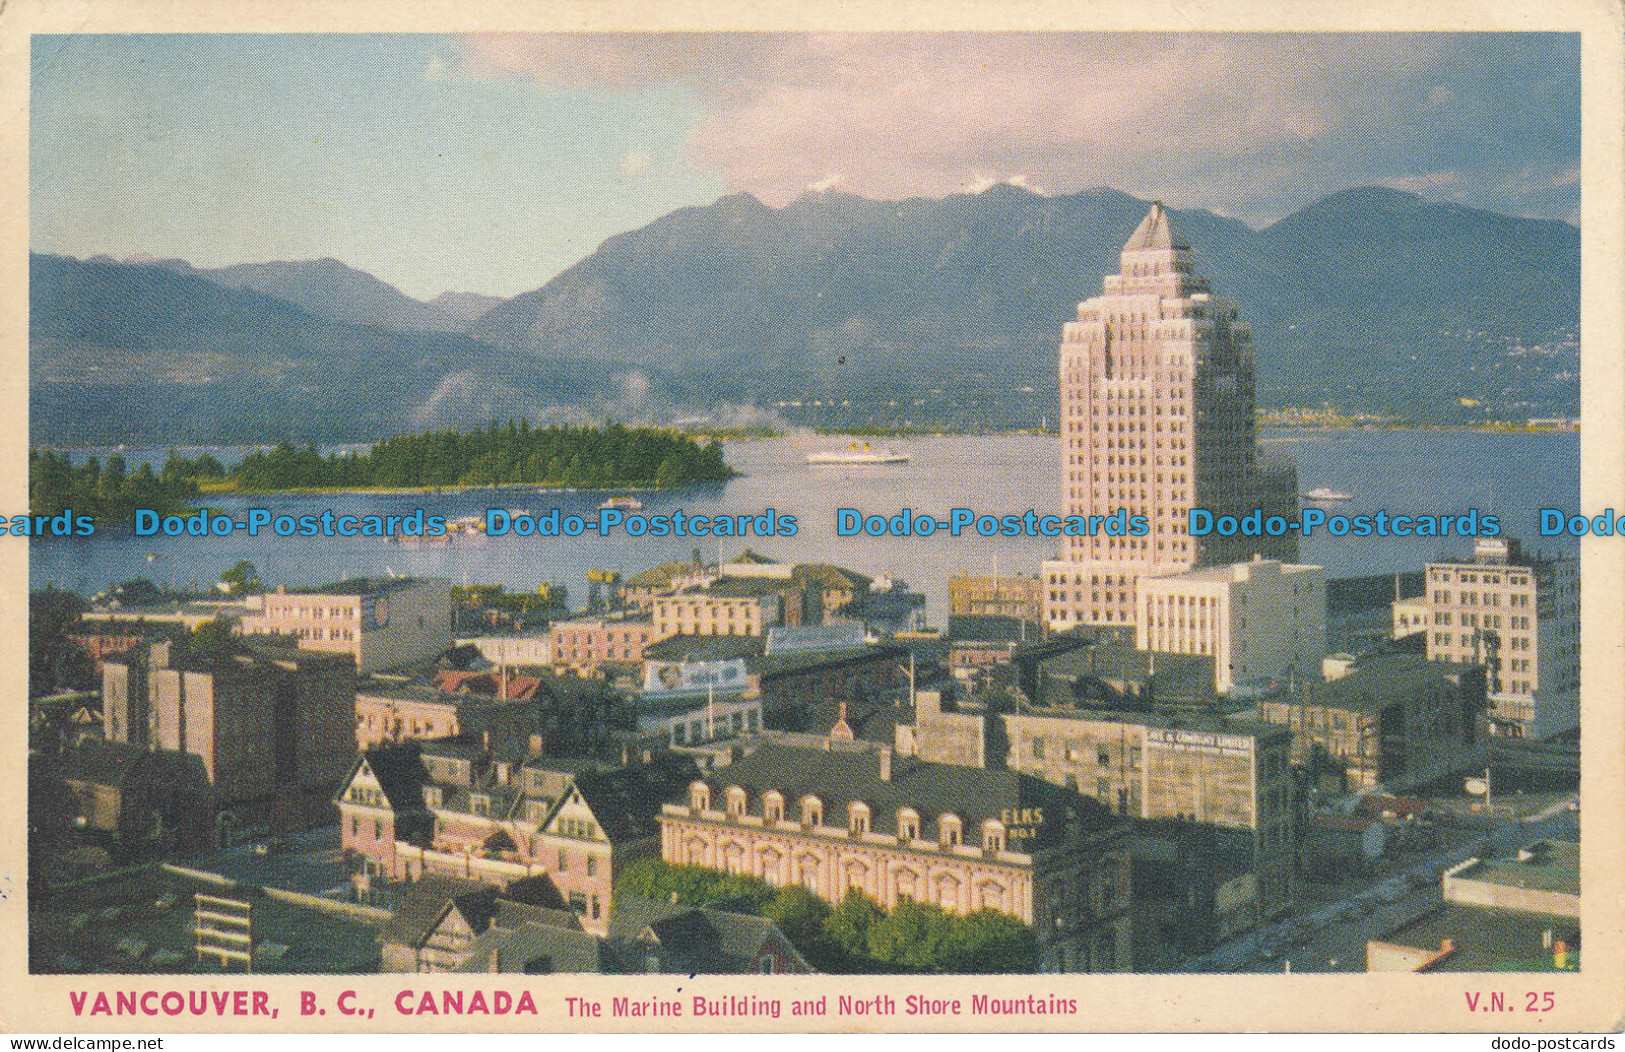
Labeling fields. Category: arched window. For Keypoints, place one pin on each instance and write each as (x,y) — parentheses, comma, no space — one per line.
(857,817)
(950,831)
(737,801)
(773,806)
(812,811)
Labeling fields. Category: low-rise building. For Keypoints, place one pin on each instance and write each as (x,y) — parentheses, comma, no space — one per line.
(398,712)
(854,674)
(1229,776)
(641,590)
(1410,616)
(121,795)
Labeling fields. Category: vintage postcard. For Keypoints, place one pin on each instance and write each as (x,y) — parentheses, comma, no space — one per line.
(614,518)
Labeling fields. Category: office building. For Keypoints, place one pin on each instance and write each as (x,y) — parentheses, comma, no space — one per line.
(384,623)
(1519,617)
(1157,406)
(1256,619)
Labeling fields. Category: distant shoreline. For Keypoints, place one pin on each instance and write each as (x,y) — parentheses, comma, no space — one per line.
(1491,428)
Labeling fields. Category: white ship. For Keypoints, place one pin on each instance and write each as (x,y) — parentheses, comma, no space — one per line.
(855,455)
(1322,493)
(622,503)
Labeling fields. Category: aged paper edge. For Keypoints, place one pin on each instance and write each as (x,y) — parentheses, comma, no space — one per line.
(1593,1000)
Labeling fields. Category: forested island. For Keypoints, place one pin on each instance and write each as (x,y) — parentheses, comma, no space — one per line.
(514,453)
(106,491)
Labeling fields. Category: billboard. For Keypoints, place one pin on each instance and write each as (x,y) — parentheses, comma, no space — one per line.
(665,679)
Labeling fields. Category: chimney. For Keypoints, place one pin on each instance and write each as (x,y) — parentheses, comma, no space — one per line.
(535,749)
(885,764)
(485,741)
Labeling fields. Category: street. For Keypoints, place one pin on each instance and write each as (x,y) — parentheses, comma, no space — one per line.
(1332,937)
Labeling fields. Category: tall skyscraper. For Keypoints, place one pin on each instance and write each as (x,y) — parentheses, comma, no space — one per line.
(1157,401)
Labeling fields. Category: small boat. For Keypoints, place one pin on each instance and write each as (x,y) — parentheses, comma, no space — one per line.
(466,524)
(855,455)
(1322,493)
(622,504)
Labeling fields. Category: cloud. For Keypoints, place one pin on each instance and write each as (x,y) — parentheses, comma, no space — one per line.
(1254,124)
(979,184)
(829,182)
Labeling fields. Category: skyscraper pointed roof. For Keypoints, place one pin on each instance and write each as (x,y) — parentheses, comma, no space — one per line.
(1154,231)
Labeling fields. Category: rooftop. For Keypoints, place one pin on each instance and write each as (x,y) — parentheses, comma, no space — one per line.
(1374,683)
(775,665)
(1155,232)
(140,922)
(427,694)
(1487,940)
(367,586)
(842,775)
(661,576)
(1233,572)
(703,648)
(739,588)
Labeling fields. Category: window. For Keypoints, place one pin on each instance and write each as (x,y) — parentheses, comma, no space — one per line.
(578,902)
(564,862)
(993,835)
(950,832)
(773,807)
(812,811)
(908,824)
(857,818)
(1103,757)
(592,871)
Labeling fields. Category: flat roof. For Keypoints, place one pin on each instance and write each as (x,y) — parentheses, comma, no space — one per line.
(1553,865)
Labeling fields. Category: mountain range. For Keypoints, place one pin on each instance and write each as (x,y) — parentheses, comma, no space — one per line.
(833,311)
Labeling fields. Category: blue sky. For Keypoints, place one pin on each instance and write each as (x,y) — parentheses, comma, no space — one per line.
(490,163)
